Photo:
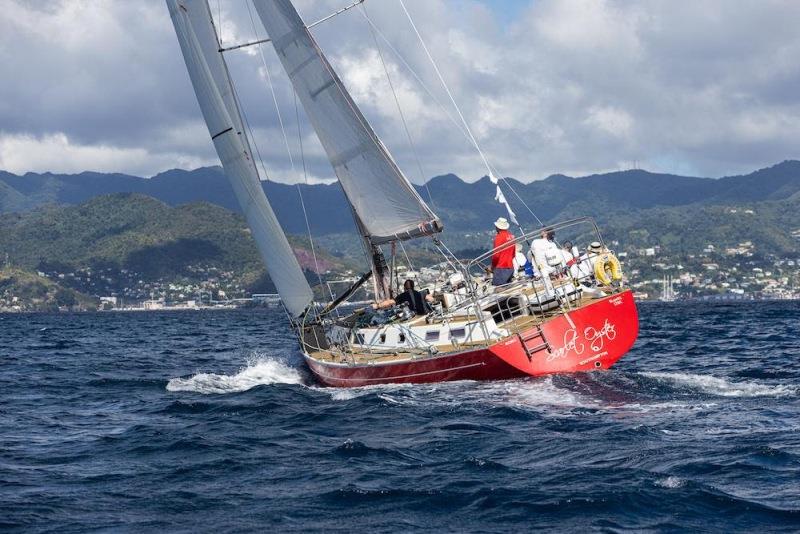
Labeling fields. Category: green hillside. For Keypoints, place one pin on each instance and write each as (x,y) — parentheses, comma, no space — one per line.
(688,229)
(140,234)
(24,291)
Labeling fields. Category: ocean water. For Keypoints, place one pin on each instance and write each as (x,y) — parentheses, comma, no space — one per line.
(207,421)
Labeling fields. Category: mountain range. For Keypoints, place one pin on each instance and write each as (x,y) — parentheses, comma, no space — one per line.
(463,206)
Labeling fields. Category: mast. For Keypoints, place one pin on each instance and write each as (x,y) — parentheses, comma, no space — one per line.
(386,206)
(215,94)
(381,277)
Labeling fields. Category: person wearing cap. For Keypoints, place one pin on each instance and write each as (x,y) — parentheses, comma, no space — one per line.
(582,268)
(586,262)
(503,256)
(595,247)
(586,270)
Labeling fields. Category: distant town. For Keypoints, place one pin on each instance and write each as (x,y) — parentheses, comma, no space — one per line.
(122,289)
(731,273)
(714,273)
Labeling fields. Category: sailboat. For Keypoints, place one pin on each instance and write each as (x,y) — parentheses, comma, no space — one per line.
(570,316)
(667,289)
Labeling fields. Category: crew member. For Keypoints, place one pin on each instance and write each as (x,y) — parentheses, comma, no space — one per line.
(585,272)
(502,268)
(415,300)
(546,254)
(522,263)
(593,251)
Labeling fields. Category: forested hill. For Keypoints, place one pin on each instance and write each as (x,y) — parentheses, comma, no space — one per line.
(140,234)
(463,206)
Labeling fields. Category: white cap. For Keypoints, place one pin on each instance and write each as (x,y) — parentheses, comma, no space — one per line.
(501,223)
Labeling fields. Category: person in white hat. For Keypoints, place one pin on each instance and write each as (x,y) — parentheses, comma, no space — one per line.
(503,254)
(582,269)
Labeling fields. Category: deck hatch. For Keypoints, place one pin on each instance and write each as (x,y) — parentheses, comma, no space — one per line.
(458,332)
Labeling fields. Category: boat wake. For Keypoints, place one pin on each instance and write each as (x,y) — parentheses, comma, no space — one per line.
(713,385)
(537,393)
(260,370)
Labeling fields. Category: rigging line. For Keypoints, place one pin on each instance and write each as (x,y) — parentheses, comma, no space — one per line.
(267,40)
(442,107)
(440,242)
(272,91)
(286,142)
(507,183)
(397,102)
(458,110)
(393,271)
(403,248)
(252,138)
(445,86)
(299,192)
(437,243)
(219,16)
(416,76)
(242,115)
(373,136)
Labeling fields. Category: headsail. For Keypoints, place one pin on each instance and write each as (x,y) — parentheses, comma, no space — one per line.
(214,89)
(383,199)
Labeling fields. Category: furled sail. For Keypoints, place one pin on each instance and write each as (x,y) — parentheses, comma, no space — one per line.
(384,201)
(214,90)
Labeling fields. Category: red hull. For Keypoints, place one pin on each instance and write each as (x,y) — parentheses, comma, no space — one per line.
(590,338)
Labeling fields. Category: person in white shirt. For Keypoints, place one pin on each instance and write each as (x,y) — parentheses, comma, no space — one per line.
(568,255)
(546,255)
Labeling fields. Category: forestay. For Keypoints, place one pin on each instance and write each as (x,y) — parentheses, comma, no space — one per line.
(383,199)
(214,89)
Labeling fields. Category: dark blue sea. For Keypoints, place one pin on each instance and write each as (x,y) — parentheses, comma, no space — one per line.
(208,422)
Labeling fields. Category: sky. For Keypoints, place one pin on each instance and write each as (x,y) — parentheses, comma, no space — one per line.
(704,88)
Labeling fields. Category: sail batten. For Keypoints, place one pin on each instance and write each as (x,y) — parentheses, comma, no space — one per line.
(385,202)
(215,94)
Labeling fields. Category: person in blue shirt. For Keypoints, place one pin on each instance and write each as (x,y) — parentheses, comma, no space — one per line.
(522,263)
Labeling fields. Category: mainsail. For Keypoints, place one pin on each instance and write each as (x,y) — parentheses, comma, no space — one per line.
(214,90)
(385,203)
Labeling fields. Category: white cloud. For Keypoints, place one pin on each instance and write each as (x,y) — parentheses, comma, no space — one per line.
(571,86)
(612,121)
(55,152)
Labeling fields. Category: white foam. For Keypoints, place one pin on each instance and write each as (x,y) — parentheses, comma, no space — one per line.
(671,482)
(258,372)
(346,394)
(724,388)
(341,394)
(533,393)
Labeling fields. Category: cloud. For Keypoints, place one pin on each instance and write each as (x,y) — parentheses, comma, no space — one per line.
(24,153)
(574,86)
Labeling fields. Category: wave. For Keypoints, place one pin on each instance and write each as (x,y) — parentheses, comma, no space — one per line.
(526,393)
(533,393)
(724,388)
(260,371)
(671,482)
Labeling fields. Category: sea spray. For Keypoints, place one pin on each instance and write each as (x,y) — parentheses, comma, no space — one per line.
(260,370)
(713,385)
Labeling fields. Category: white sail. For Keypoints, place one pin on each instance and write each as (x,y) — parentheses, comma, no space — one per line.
(383,199)
(214,90)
